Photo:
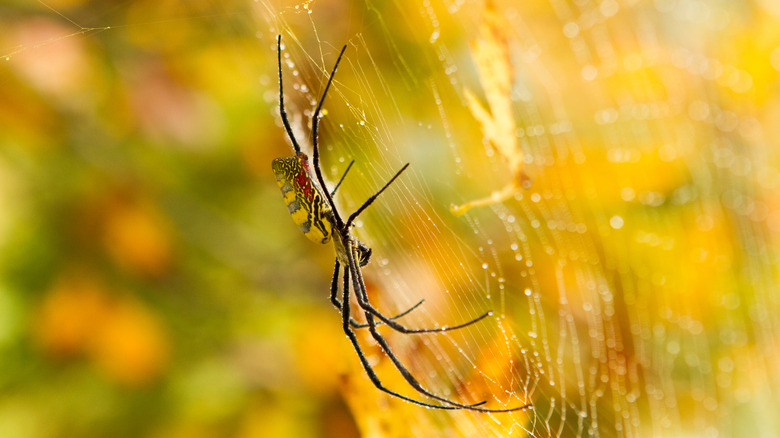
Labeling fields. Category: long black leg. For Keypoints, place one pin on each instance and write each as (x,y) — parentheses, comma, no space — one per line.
(361,295)
(334,299)
(333,192)
(334,291)
(367,307)
(315,123)
(404,313)
(358,284)
(281,96)
(334,286)
(362,299)
(373,197)
(366,366)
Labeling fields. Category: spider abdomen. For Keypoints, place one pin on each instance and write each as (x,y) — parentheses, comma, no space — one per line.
(305,201)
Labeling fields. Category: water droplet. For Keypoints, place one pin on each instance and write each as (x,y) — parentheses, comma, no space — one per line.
(589,72)
(571,30)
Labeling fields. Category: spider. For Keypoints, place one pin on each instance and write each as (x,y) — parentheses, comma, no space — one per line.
(313,210)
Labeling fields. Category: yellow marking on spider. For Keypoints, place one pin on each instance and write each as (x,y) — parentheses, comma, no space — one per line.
(300,216)
(289,197)
(316,235)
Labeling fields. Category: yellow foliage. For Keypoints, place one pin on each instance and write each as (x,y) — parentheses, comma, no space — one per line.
(491,55)
(131,345)
(71,313)
(80,316)
(137,237)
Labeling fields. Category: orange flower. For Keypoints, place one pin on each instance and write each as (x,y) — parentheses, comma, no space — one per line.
(136,235)
(80,316)
(70,314)
(131,346)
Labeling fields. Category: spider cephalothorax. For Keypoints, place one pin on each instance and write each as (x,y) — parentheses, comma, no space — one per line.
(313,210)
(363,253)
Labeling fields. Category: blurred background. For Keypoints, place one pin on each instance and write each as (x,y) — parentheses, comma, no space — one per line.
(622,155)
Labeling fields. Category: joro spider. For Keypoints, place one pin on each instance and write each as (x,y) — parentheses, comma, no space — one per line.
(313,210)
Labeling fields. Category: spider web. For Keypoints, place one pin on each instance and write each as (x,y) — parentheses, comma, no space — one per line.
(645,147)
(632,284)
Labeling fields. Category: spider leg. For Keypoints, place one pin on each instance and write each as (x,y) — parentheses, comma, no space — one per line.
(334,286)
(373,197)
(337,303)
(362,299)
(315,123)
(360,292)
(281,97)
(369,308)
(333,192)
(345,318)
(357,283)
(404,313)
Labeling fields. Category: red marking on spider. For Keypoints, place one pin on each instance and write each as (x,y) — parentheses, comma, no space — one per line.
(303,178)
